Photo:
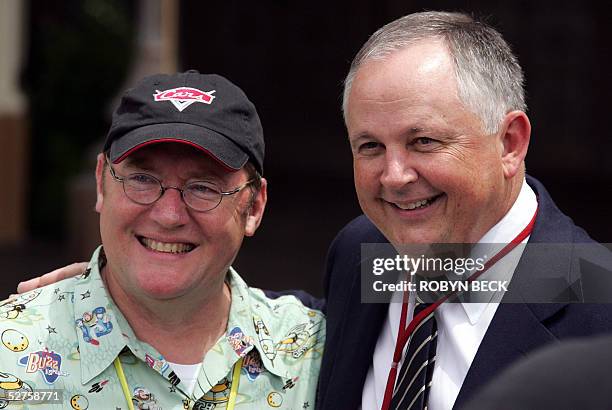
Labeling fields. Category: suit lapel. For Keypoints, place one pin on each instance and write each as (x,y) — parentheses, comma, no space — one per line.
(519,327)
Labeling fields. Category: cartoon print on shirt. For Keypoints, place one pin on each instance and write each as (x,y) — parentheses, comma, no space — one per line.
(290,383)
(159,365)
(98,386)
(12,308)
(144,399)
(299,339)
(239,341)
(275,399)
(252,365)
(201,405)
(96,321)
(79,402)
(48,363)
(14,340)
(295,338)
(263,335)
(13,384)
(219,393)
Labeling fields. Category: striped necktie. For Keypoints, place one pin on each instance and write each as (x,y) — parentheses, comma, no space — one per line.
(414,378)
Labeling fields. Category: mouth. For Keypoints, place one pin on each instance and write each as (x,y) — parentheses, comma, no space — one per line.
(411,206)
(166,247)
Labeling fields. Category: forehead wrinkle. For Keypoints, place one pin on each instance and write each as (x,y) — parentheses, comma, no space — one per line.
(384,100)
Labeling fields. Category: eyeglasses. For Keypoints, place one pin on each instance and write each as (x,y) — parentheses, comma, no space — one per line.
(201,196)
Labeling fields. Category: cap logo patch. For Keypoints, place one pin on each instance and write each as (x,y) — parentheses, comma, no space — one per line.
(183,97)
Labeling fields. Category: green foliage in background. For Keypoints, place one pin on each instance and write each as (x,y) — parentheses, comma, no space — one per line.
(79,55)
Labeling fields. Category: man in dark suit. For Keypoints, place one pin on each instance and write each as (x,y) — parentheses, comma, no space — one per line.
(435,112)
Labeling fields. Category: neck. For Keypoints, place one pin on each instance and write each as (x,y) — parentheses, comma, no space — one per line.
(511,194)
(198,321)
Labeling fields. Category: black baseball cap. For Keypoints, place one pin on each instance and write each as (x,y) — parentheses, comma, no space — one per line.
(205,111)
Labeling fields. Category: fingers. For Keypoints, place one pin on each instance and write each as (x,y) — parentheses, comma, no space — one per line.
(62,273)
(52,277)
(9,299)
(28,285)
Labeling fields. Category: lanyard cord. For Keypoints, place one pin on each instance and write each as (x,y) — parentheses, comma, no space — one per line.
(232,396)
(124,385)
(231,403)
(404,332)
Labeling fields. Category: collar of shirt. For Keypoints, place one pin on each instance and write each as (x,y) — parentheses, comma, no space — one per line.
(106,332)
(250,326)
(497,237)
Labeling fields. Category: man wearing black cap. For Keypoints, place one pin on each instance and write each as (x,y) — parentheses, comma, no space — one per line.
(160,319)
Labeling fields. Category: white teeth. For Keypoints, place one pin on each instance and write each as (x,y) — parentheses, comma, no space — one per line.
(165,246)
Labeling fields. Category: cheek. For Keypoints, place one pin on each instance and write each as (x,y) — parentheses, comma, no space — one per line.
(117,222)
(223,227)
(366,177)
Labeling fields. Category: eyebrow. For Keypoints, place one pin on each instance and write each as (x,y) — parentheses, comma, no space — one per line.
(415,130)
(366,135)
(141,163)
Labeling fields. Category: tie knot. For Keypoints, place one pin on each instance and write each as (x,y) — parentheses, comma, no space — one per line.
(419,307)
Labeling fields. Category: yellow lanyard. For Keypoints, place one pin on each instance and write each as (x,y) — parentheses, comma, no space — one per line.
(231,403)
(124,385)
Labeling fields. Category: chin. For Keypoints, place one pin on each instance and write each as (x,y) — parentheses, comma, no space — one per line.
(163,285)
(163,291)
(418,237)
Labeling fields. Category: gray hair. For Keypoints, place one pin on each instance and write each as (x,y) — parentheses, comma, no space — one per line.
(489,77)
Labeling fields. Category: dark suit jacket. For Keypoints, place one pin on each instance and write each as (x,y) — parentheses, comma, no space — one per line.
(516,329)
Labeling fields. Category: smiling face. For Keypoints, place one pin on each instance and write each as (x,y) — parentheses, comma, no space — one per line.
(166,250)
(425,172)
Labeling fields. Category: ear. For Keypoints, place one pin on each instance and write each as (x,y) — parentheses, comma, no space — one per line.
(257,209)
(99,182)
(514,137)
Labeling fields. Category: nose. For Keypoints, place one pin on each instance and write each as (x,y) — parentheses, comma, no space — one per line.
(170,211)
(399,170)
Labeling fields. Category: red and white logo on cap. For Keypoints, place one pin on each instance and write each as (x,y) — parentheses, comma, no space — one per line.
(183,97)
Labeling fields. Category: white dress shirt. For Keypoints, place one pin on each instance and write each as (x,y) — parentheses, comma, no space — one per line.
(461,326)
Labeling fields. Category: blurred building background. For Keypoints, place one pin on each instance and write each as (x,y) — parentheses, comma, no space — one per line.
(63,65)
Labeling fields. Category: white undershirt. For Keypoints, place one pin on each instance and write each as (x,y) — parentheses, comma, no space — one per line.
(188,373)
(461,326)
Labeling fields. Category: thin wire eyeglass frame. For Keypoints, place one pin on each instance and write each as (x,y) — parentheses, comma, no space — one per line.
(163,189)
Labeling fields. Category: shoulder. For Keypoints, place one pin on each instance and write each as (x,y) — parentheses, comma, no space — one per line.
(284,308)
(360,230)
(36,305)
(288,322)
(344,254)
(346,246)
(34,324)
(275,316)
(552,225)
(290,335)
